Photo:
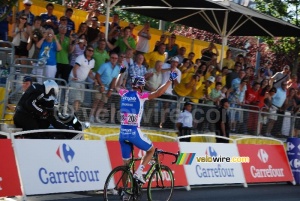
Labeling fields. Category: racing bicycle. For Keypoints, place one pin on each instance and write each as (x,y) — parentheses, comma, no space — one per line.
(159,180)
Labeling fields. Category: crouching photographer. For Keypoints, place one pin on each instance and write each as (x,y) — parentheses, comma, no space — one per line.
(35,109)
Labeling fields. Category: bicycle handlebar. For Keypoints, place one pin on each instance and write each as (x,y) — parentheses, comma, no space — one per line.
(159,151)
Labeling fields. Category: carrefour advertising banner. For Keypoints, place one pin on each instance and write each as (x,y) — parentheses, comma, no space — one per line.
(268,163)
(211,163)
(9,178)
(52,166)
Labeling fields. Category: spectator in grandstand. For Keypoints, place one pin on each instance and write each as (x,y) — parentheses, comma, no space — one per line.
(4,23)
(240,58)
(224,93)
(115,21)
(106,77)
(169,95)
(48,49)
(251,103)
(228,61)
(191,57)
(49,21)
(181,54)
(132,26)
(137,69)
(184,122)
(214,62)
(185,67)
(223,123)
(30,17)
(224,73)
(261,75)
(35,36)
(250,74)
(207,53)
(124,43)
(265,102)
(34,109)
(281,77)
(81,70)
(70,23)
(100,55)
(155,77)
(162,40)
(37,25)
(82,30)
(210,71)
(95,12)
(214,96)
(154,56)
(172,48)
(293,82)
(288,109)
(237,99)
(144,38)
(277,102)
(62,57)
(268,71)
(93,32)
(200,94)
(20,34)
(187,83)
(78,48)
(238,80)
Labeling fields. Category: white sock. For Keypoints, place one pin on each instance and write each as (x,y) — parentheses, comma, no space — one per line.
(140,169)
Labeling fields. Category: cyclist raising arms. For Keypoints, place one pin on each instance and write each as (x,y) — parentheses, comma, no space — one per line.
(132,106)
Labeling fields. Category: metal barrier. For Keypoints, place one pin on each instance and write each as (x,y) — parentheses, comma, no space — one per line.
(163,112)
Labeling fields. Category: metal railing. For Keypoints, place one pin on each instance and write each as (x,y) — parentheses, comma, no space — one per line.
(161,112)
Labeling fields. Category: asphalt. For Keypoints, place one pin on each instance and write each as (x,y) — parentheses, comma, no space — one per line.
(262,192)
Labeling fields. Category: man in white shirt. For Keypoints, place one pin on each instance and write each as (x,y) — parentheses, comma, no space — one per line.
(169,95)
(185,122)
(82,69)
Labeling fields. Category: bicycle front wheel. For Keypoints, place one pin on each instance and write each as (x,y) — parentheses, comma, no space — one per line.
(161,185)
(119,183)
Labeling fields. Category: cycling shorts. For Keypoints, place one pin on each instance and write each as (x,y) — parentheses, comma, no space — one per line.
(135,136)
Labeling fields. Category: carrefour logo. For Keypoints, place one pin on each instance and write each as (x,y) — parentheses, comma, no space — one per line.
(263,155)
(290,146)
(211,152)
(65,153)
(66,173)
(295,163)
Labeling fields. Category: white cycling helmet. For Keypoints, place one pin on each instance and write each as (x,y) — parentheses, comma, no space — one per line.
(51,88)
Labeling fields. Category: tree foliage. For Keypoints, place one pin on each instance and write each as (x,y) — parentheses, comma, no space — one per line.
(285,48)
(11,4)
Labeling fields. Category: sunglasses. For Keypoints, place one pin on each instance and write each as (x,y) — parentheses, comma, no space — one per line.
(90,50)
(114,57)
(63,20)
(23,18)
(27,4)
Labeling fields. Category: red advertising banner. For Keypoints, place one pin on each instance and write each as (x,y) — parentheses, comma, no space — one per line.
(9,178)
(268,163)
(114,151)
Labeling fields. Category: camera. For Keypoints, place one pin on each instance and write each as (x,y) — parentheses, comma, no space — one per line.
(81,40)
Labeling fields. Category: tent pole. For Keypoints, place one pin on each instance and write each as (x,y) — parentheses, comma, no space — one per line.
(107,18)
(224,38)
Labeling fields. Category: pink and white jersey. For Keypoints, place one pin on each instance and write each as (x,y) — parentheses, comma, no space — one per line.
(132,107)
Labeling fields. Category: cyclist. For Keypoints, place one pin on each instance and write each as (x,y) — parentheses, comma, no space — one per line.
(132,105)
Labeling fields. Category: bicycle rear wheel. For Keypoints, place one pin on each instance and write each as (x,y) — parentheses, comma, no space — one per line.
(118,182)
(161,185)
